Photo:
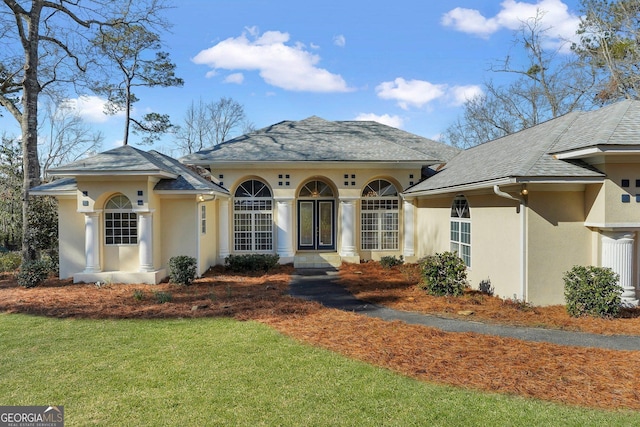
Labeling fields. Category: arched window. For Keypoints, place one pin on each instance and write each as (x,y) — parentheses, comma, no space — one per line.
(120,222)
(253,217)
(461,229)
(379,216)
(316,189)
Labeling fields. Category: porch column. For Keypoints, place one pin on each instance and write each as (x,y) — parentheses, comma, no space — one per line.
(285,227)
(92,242)
(409,228)
(145,241)
(223,229)
(617,254)
(348,227)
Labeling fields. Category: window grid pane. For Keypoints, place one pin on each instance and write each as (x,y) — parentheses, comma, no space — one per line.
(379,223)
(120,227)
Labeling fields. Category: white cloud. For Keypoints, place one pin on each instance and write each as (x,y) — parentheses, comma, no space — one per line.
(286,66)
(407,93)
(385,119)
(418,93)
(340,40)
(458,95)
(90,108)
(236,78)
(562,24)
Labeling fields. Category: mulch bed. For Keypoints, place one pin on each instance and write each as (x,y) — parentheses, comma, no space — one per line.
(570,375)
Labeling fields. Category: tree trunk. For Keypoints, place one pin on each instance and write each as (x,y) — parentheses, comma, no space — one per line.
(29,124)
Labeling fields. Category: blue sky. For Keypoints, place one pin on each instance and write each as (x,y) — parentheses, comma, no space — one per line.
(407,63)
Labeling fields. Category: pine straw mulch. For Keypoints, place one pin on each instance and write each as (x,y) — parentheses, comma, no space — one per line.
(570,375)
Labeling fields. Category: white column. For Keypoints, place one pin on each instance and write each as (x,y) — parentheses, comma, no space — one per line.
(617,254)
(409,228)
(145,240)
(285,227)
(223,231)
(348,227)
(92,242)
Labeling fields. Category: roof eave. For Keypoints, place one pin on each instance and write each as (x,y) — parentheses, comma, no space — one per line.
(595,150)
(507,181)
(153,173)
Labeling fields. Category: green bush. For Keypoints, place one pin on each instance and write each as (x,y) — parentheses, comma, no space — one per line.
(251,262)
(182,269)
(390,261)
(593,291)
(10,261)
(443,274)
(32,273)
(162,297)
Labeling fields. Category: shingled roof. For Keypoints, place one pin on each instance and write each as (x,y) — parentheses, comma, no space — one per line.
(532,154)
(129,161)
(316,139)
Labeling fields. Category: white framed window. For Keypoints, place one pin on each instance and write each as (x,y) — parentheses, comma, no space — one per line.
(379,217)
(120,222)
(253,217)
(203,219)
(461,229)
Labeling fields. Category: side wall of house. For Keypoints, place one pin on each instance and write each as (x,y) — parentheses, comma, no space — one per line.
(208,239)
(71,238)
(495,238)
(179,228)
(495,244)
(557,240)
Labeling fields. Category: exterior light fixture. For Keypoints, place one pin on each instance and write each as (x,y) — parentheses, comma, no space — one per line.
(524,190)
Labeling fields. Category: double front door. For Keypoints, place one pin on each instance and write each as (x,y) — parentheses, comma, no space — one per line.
(316,225)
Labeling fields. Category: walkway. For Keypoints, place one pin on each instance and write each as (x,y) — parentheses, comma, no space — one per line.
(322,286)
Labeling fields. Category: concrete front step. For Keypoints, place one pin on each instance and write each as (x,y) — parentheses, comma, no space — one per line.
(317,260)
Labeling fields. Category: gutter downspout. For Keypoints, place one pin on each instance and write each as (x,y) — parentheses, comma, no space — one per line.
(523,237)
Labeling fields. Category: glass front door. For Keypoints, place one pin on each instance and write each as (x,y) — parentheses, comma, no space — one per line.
(316,225)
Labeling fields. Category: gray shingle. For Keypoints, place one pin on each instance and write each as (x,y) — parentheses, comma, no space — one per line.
(316,139)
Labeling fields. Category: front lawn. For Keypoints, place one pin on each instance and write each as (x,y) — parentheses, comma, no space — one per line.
(219,371)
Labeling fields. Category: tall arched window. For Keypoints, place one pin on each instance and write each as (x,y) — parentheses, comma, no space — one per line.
(120,222)
(379,216)
(461,229)
(253,217)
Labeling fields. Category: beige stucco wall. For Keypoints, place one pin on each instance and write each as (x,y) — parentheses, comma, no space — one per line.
(557,240)
(495,238)
(604,202)
(180,225)
(71,238)
(495,244)
(209,239)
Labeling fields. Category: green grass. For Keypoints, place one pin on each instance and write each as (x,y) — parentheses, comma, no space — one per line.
(223,372)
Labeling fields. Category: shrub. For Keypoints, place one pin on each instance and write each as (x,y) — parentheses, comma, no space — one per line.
(443,274)
(32,273)
(593,291)
(162,297)
(182,269)
(391,261)
(485,287)
(138,294)
(10,261)
(251,262)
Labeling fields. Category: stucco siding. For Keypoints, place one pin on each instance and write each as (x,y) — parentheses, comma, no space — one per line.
(208,239)
(557,240)
(432,226)
(495,244)
(71,238)
(179,228)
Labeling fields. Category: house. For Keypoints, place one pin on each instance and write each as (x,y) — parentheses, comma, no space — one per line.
(520,210)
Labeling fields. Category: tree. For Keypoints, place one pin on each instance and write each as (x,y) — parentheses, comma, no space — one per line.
(610,42)
(65,138)
(127,46)
(10,192)
(548,84)
(209,124)
(45,44)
